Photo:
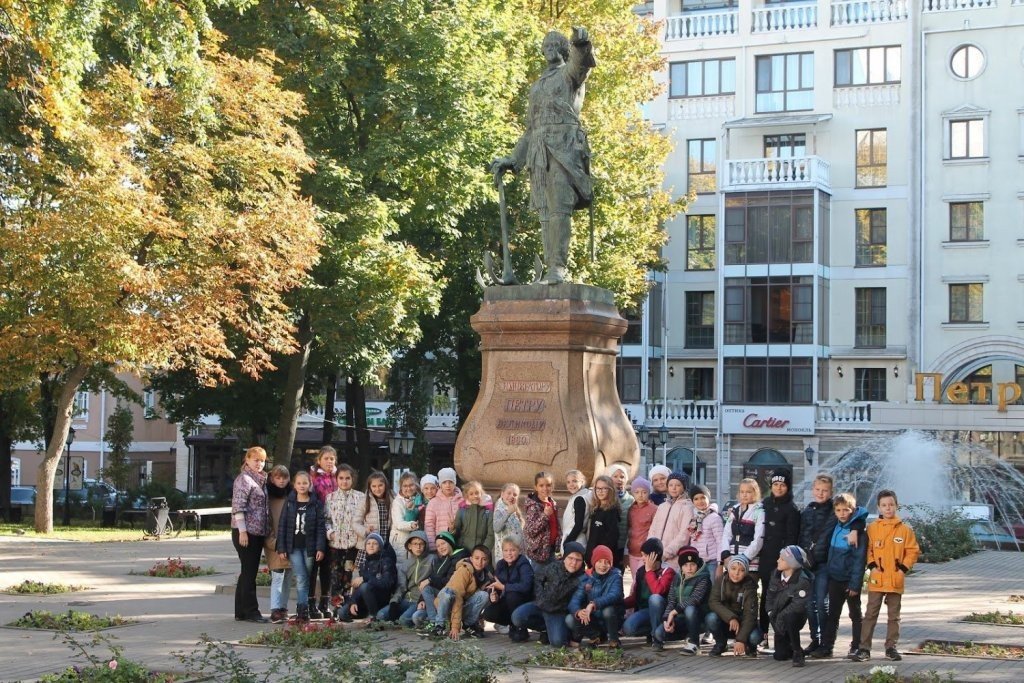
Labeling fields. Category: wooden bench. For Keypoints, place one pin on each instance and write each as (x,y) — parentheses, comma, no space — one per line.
(197,514)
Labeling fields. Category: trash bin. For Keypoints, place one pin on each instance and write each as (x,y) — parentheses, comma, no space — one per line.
(109,516)
(158,518)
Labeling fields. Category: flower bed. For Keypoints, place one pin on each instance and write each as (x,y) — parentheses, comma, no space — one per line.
(263,577)
(594,660)
(29,587)
(68,621)
(997,617)
(319,635)
(889,674)
(115,671)
(177,568)
(971,649)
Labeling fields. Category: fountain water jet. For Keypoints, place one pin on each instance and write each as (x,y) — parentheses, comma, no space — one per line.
(924,470)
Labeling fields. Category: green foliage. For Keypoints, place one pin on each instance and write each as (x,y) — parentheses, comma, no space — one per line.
(113,668)
(598,659)
(177,568)
(119,436)
(30,587)
(996,617)
(356,657)
(263,577)
(889,674)
(71,620)
(943,534)
(321,635)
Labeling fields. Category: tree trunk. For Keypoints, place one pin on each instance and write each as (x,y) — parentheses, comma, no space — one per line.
(63,403)
(350,421)
(291,403)
(358,400)
(6,444)
(332,394)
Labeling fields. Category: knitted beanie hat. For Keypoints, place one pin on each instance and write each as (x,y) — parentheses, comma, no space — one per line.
(689,554)
(429,479)
(741,559)
(640,483)
(658,469)
(601,552)
(794,556)
(447,474)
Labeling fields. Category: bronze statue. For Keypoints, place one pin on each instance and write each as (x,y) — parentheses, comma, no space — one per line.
(554,146)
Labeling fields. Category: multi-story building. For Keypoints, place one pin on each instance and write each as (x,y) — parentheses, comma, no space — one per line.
(856,172)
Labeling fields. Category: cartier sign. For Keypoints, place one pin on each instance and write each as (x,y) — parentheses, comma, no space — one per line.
(768,419)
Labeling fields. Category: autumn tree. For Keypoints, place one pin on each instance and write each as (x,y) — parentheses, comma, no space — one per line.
(406,102)
(149,200)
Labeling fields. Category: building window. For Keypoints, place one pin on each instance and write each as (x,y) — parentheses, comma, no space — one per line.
(868,66)
(776,227)
(869,384)
(700,242)
(769,310)
(871,247)
(872,157)
(80,408)
(767,380)
(785,82)
(785,146)
(149,404)
(700,320)
(628,380)
(965,303)
(978,394)
(869,317)
(967,139)
(702,165)
(699,5)
(702,78)
(967,62)
(966,221)
(699,384)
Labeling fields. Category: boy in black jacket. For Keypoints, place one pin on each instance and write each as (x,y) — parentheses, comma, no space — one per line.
(781,528)
(787,603)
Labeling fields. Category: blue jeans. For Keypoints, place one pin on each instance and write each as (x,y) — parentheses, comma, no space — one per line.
(429,611)
(606,621)
(406,612)
(472,606)
(689,625)
(720,630)
(643,622)
(817,606)
(533,617)
(280,586)
(302,569)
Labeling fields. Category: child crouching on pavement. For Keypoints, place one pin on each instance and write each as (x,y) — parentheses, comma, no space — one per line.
(463,600)
(687,604)
(651,583)
(845,571)
(788,592)
(442,567)
(414,573)
(376,581)
(596,609)
(892,551)
(512,585)
(733,603)
(554,584)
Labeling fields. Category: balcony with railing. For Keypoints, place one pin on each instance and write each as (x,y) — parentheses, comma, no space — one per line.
(954,5)
(843,415)
(681,413)
(784,17)
(776,174)
(713,107)
(722,20)
(858,12)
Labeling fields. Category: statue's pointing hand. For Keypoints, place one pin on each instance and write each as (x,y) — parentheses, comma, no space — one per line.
(580,35)
(501,165)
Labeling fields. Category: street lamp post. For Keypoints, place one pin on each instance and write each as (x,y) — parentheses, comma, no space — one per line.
(643,433)
(400,444)
(67,476)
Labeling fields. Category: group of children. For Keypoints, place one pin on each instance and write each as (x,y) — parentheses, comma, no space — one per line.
(446,560)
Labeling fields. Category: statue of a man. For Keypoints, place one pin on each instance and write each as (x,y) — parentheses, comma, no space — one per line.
(554,147)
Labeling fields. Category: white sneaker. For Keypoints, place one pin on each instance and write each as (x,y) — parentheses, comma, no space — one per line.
(688,649)
(503,630)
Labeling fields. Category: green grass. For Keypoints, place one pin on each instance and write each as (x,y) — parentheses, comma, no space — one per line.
(90,532)
(30,587)
(997,617)
(972,649)
(594,660)
(68,621)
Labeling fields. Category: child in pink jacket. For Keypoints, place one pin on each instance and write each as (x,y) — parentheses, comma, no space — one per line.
(442,508)
(671,523)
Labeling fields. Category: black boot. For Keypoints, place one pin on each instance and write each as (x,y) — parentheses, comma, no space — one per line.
(313,612)
(302,614)
(325,607)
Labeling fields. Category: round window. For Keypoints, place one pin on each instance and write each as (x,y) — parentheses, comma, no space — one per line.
(967,62)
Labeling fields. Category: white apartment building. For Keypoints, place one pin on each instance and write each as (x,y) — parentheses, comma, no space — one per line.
(857,220)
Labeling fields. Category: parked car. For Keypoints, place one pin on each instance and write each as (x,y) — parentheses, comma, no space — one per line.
(94,490)
(23,495)
(994,536)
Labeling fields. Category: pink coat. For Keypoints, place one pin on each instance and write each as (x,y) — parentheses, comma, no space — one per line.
(672,526)
(441,511)
(707,536)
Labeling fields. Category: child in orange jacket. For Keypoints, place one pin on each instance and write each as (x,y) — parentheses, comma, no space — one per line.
(892,551)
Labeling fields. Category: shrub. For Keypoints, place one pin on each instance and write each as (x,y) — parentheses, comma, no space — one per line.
(943,534)
(29,587)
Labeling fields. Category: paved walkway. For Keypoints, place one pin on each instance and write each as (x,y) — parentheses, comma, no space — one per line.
(176,611)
